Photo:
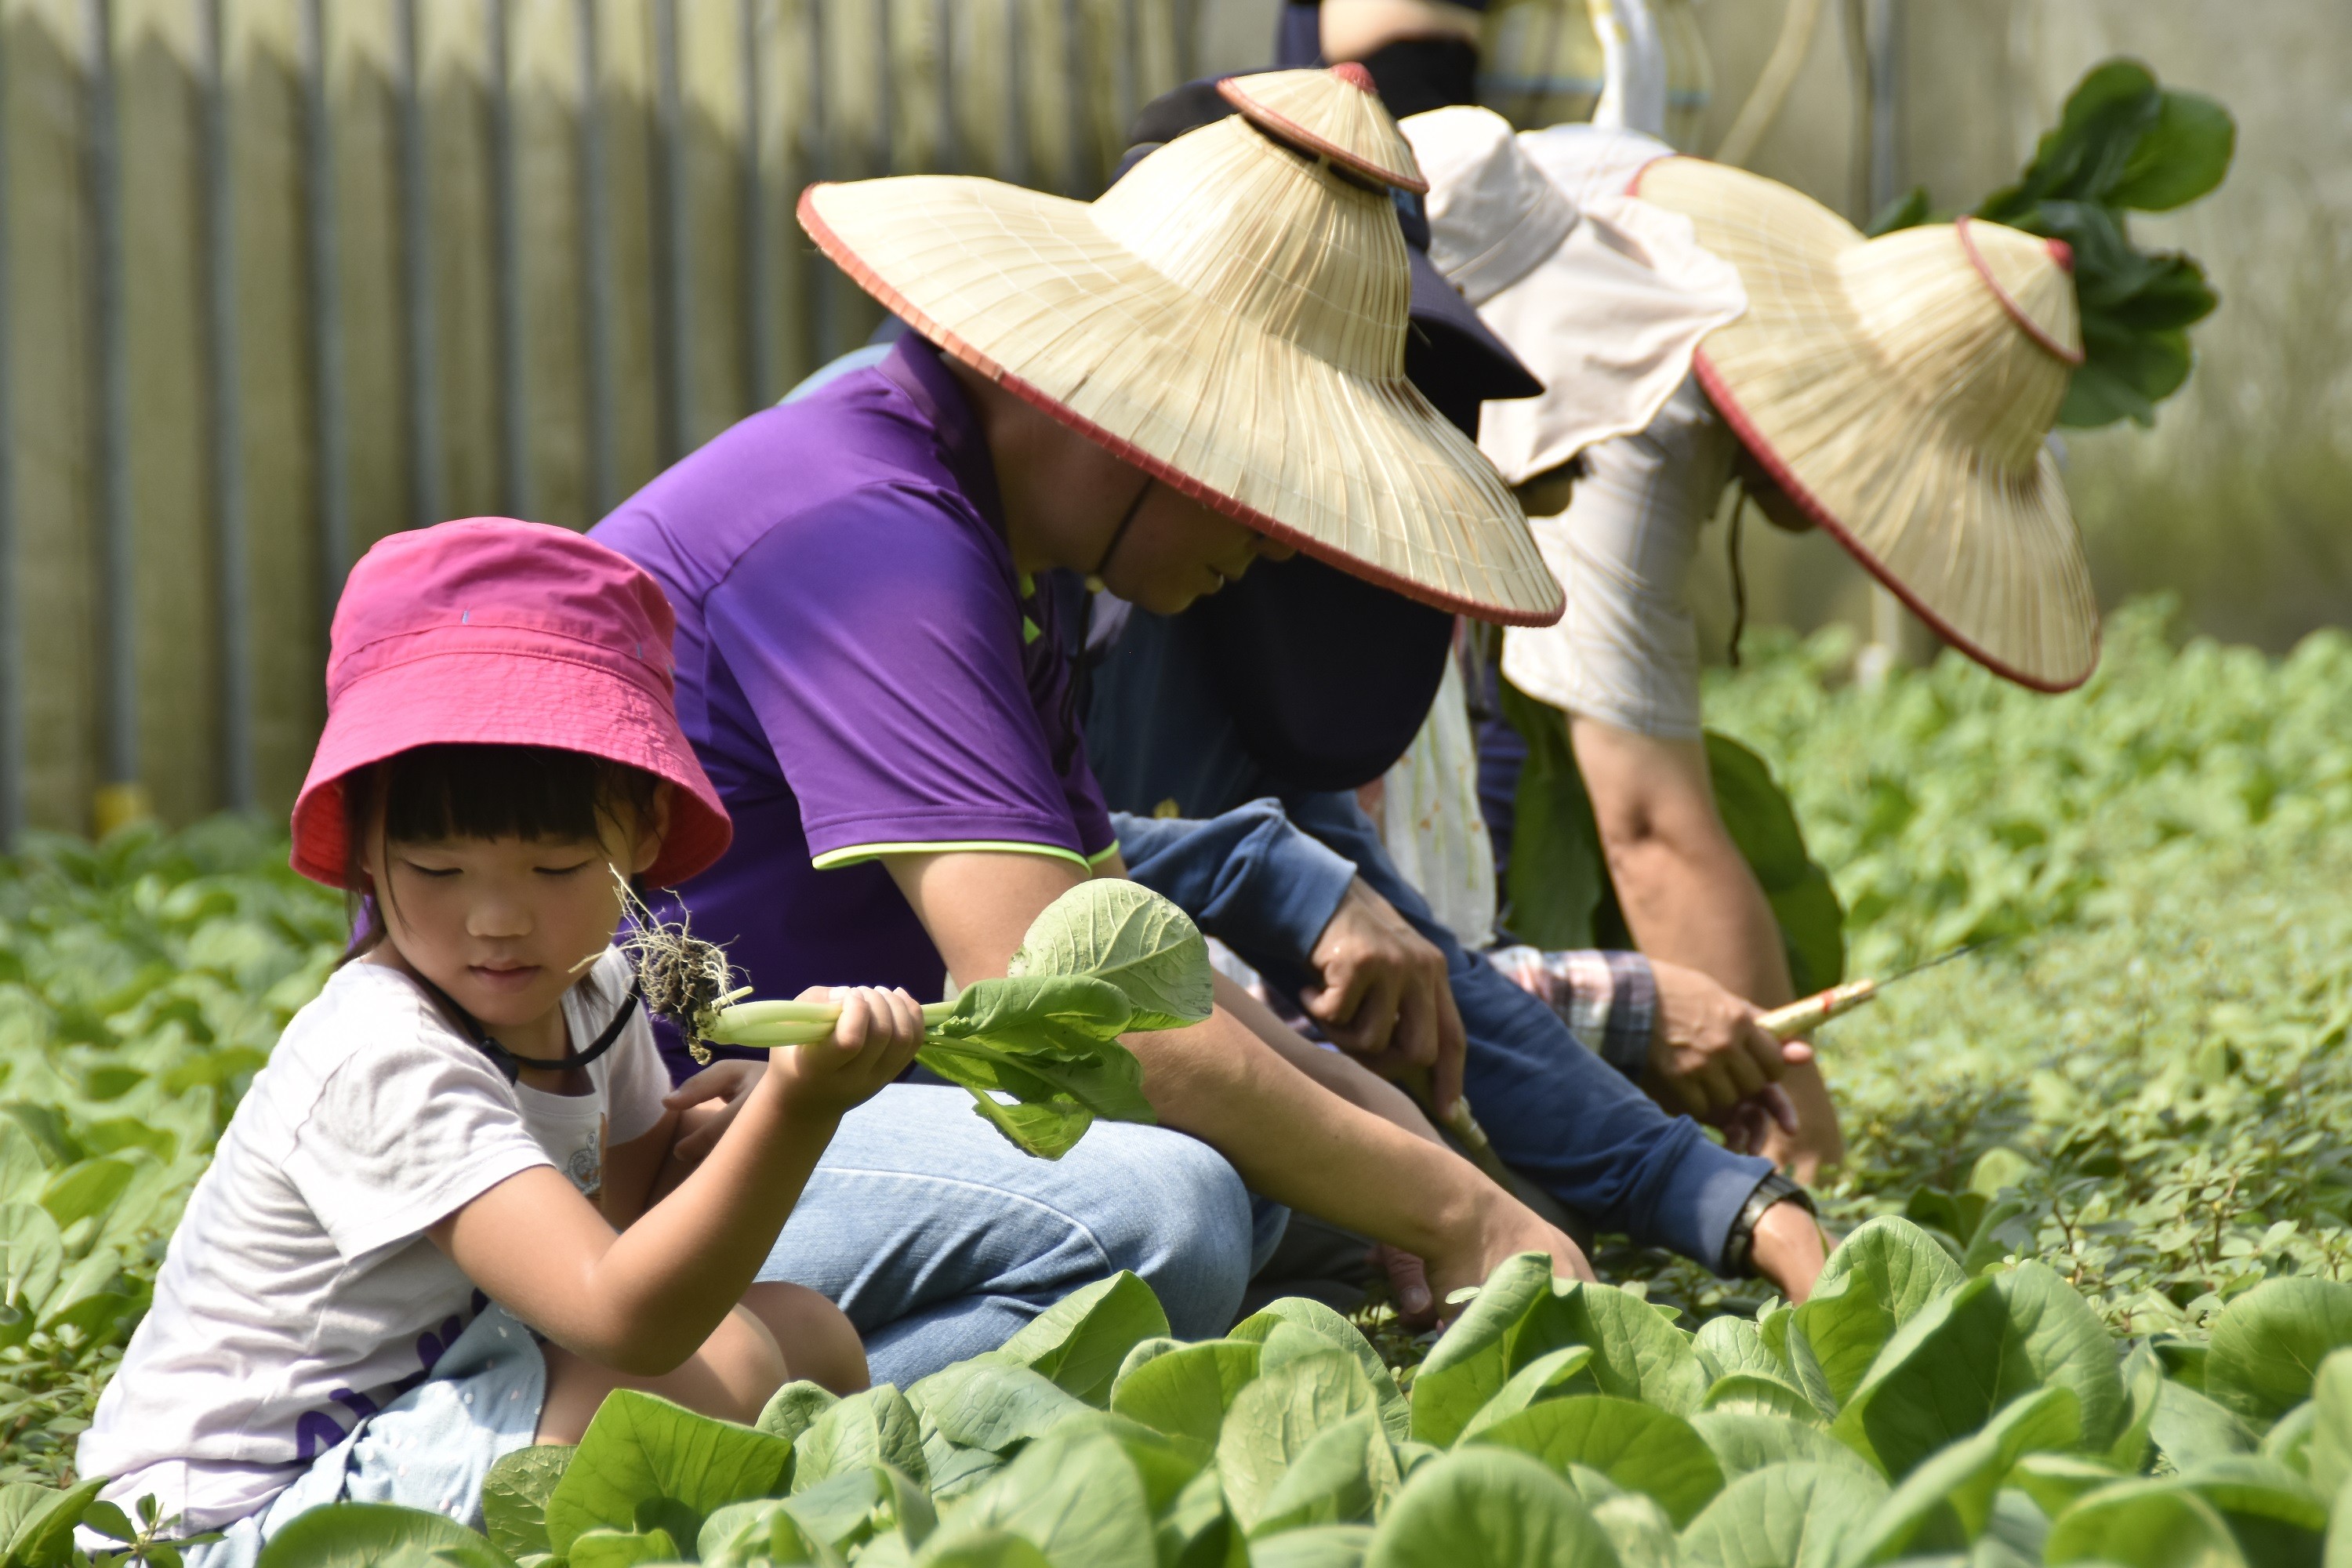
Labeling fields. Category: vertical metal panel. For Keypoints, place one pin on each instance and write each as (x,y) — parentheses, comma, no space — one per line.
(1076,94)
(825,326)
(515,488)
(674,297)
(323,265)
(596,264)
(416,277)
(1130,71)
(118,611)
(886,86)
(12,642)
(235,600)
(759,323)
(947,157)
(1016,94)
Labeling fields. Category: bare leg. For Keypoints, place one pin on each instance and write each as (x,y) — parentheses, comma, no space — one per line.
(739,1366)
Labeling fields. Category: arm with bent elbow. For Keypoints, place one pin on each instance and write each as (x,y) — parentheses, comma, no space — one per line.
(1307,1128)
(642,1300)
(1690,898)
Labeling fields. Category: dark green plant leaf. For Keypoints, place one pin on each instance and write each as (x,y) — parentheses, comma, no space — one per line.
(1339,1478)
(1956,1487)
(2184,155)
(1313,1316)
(1274,1419)
(1637,1354)
(992,1404)
(1076,1498)
(37,1522)
(1471,1361)
(2189,1428)
(1879,1278)
(1907,211)
(2276,1516)
(1552,1375)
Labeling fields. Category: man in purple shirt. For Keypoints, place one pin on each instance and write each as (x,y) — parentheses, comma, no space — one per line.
(867,673)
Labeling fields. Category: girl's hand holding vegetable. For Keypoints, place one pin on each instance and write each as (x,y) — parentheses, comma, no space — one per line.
(874,1041)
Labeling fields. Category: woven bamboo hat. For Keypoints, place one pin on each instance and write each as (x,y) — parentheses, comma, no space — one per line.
(1900,389)
(1230,318)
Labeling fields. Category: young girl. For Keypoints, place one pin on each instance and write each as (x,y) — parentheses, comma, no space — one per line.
(473,1110)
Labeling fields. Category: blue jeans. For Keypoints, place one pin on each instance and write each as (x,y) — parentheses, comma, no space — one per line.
(939,1239)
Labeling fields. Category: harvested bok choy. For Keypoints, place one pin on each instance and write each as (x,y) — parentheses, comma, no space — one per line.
(1105,958)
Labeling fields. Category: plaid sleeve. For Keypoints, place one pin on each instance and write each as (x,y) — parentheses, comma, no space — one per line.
(1608,1000)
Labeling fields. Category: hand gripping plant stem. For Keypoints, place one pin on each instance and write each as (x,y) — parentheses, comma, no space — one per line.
(1038,1051)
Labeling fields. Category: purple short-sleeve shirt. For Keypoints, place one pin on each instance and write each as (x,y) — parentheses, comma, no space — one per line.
(859,668)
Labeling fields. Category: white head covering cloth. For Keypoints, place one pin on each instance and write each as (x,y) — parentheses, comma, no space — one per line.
(1604,295)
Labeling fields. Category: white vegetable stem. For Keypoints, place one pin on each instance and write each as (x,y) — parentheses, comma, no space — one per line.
(766,1024)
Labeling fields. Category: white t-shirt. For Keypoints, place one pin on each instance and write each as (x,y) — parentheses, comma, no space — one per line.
(300,1293)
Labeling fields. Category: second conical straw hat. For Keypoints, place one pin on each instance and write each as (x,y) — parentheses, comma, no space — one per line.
(1901,389)
(1230,318)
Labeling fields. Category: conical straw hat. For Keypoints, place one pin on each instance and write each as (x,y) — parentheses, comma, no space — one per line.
(1900,389)
(1230,318)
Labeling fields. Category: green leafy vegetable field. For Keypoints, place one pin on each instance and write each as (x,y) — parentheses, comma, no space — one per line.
(2091,1318)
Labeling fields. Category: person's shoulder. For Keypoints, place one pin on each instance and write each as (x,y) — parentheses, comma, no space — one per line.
(370,1023)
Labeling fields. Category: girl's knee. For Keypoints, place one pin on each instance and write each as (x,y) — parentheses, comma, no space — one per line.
(818,1342)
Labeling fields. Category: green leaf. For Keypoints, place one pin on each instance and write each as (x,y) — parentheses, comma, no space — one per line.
(1339,1478)
(2189,1428)
(377,1535)
(514,1496)
(2184,155)
(1079,1342)
(1638,1529)
(1186,1392)
(1958,1484)
(1756,813)
(1197,1531)
(1471,1361)
(2269,1343)
(1076,1497)
(1880,1277)
(1637,1354)
(1486,1507)
(38,1523)
(1638,1447)
(2143,1378)
(1323,1546)
(639,1447)
(1305,1312)
(1969,1352)
(31,1254)
(2289,1439)
(1552,1375)
(23,1171)
(1273,1420)
(2329,1455)
(1071,1014)
(1745,1391)
(621,1548)
(875,1426)
(2143,1524)
(2086,155)
(1123,932)
(761,1530)
(991,1405)
(1742,1442)
(1728,1346)
(1782,1516)
(983,1549)
(1907,211)
(2054,1481)
(793,1409)
(2275,1515)
(79,1192)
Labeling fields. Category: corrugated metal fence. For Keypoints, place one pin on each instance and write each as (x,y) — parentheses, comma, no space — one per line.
(280,276)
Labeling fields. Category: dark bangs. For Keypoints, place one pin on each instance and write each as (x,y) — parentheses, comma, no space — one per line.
(494,792)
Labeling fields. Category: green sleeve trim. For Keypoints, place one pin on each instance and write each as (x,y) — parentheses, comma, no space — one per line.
(858,853)
(1099,855)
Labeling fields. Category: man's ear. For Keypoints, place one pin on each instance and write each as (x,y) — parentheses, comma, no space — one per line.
(650,836)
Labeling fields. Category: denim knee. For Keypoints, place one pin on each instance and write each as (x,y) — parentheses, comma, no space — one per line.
(1187,1229)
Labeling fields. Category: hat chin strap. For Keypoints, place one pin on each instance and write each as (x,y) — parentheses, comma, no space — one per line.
(1126,521)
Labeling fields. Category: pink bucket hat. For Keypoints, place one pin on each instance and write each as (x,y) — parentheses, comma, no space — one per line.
(494,632)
